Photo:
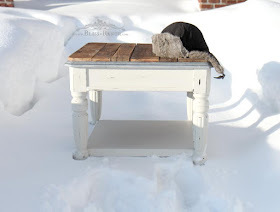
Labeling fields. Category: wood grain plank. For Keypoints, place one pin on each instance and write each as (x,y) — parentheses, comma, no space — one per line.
(124,52)
(143,53)
(190,60)
(86,52)
(106,52)
(165,59)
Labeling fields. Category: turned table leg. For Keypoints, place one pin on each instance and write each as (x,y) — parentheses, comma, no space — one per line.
(80,124)
(95,98)
(200,127)
(189,105)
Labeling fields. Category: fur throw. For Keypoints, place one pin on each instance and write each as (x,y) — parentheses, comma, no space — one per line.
(209,57)
(168,45)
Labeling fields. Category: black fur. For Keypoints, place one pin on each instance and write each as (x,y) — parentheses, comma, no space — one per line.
(193,40)
(189,34)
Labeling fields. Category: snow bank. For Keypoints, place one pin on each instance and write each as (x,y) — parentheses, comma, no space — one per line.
(31,49)
(242,172)
(46,4)
(171,184)
(128,7)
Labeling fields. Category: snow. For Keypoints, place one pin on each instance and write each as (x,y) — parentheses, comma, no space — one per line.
(37,173)
(29,40)
(170,185)
(124,7)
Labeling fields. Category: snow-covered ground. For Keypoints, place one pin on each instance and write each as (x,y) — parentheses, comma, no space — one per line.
(37,173)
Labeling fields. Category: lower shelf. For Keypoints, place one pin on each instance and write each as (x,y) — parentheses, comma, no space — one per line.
(140,138)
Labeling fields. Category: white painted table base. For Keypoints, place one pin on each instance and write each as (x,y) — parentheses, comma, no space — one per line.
(95,77)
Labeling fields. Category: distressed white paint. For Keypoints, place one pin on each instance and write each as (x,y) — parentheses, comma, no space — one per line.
(189,105)
(200,115)
(139,65)
(95,77)
(78,79)
(140,80)
(200,127)
(80,124)
(200,84)
(95,98)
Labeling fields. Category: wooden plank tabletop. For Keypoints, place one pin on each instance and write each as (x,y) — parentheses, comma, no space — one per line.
(106,52)
(143,53)
(122,52)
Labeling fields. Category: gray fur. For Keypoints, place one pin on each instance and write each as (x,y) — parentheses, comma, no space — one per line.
(209,57)
(168,45)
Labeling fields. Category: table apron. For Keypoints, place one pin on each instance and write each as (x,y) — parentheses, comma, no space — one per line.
(192,80)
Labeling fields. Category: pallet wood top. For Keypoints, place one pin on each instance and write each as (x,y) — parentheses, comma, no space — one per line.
(122,52)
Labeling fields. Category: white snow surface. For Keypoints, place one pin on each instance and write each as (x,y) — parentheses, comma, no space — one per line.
(37,172)
(32,49)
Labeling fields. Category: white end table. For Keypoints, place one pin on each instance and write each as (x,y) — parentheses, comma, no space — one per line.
(98,67)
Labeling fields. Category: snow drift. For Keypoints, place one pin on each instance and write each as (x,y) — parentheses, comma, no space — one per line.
(31,49)
(242,173)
